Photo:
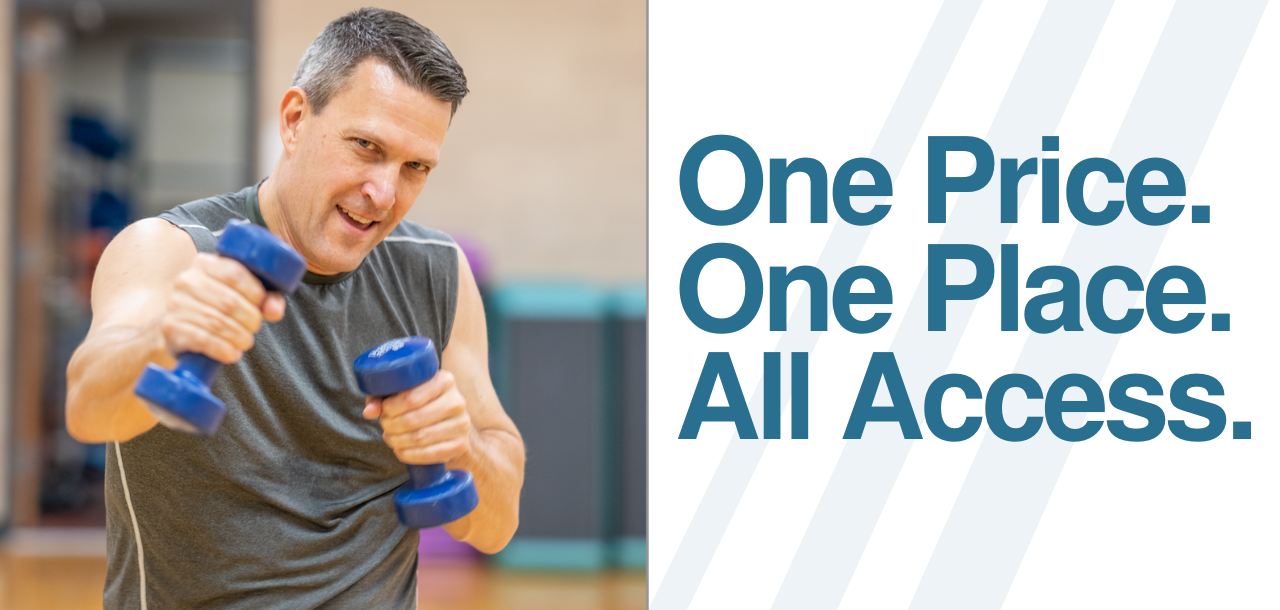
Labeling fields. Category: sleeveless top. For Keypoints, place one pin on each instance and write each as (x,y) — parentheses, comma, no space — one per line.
(289,504)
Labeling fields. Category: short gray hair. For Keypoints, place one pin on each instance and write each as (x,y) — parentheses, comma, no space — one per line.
(417,56)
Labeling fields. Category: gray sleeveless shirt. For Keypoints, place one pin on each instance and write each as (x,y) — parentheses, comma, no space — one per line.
(289,504)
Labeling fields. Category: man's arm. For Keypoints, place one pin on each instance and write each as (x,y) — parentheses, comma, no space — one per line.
(456,418)
(153,297)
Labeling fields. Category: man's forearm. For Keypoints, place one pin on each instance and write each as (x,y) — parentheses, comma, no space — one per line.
(496,460)
(101,405)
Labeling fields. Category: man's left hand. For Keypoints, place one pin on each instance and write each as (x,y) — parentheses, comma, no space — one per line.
(427,424)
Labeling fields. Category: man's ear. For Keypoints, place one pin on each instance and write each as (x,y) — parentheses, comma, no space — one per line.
(294,110)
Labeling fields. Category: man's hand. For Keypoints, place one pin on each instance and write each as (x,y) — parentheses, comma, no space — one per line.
(155,297)
(455,419)
(215,308)
(428,424)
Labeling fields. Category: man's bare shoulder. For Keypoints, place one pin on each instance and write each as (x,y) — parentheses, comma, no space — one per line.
(155,232)
(144,257)
(151,243)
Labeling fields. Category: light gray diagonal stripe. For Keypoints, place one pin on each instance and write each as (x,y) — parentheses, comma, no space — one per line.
(1009,484)
(867,469)
(739,462)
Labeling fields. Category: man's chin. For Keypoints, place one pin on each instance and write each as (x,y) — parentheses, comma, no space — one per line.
(347,261)
(334,269)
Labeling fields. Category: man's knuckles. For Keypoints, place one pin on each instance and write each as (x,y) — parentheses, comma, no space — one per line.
(230,274)
(212,299)
(184,335)
(442,382)
(183,309)
(434,454)
(415,398)
(441,432)
(408,410)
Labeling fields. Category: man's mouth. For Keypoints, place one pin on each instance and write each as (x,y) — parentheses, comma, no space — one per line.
(356,220)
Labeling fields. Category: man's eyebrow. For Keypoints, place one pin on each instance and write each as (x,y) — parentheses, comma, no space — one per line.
(360,134)
(428,161)
(356,132)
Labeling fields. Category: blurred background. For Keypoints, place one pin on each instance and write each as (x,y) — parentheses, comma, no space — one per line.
(115,110)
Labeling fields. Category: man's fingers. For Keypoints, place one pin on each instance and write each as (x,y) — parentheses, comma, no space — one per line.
(416,397)
(372,407)
(450,405)
(223,298)
(273,307)
(232,289)
(435,454)
(235,305)
(209,317)
(234,275)
(200,315)
(216,307)
(434,444)
(183,336)
(428,424)
(438,432)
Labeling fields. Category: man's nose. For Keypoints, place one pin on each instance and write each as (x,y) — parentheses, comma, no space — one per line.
(380,187)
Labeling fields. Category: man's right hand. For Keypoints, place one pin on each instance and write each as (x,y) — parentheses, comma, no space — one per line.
(155,297)
(215,308)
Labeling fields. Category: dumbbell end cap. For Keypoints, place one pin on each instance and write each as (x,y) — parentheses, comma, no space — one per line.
(396,365)
(275,263)
(449,500)
(178,402)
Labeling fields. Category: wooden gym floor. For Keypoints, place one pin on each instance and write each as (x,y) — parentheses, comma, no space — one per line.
(32,580)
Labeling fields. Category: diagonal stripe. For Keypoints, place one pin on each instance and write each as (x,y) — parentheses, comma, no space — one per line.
(867,469)
(1009,484)
(738,464)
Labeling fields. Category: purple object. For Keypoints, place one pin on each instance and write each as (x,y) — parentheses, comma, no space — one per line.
(475,257)
(436,546)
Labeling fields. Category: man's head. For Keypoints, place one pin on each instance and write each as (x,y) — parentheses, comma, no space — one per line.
(361,127)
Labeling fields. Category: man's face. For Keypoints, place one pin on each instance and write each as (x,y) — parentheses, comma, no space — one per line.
(355,169)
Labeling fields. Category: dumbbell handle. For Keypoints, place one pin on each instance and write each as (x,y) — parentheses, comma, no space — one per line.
(181,398)
(198,366)
(425,475)
(202,367)
(434,495)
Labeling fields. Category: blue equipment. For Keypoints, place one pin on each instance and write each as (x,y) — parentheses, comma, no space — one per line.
(180,398)
(433,496)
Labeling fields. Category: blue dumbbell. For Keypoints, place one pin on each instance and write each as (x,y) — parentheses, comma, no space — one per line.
(180,398)
(433,496)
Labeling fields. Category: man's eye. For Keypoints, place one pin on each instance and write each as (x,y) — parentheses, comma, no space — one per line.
(364,143)
(414,165)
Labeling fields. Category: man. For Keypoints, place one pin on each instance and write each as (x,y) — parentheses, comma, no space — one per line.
(289,504)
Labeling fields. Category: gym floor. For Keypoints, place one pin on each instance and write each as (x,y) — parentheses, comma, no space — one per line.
(30,582)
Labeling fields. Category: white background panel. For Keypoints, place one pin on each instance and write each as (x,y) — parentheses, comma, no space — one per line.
(1164,523)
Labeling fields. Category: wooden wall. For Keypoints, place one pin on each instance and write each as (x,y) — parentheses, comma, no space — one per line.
(544,165)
